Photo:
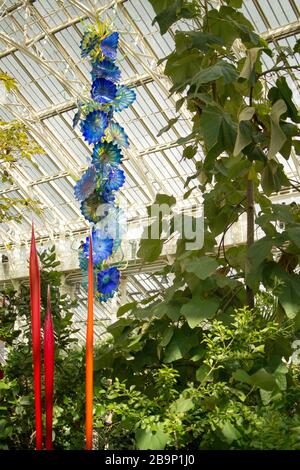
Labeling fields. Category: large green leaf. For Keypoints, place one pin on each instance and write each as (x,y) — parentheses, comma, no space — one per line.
(203,266)
(165,199)
(126,308)
(219,132)
(273,177)
(283,91)
(182,405)
(244,135)
(170,11)
(294,234)
(219,70)
(259,251)
(150,249)
(172,310)
(230,24)
(182,341)
(198,309)
(230,432)
(263,379)
(248,71)
(148,440)
(288,291)
(195,39)
(278,137)
(182,68)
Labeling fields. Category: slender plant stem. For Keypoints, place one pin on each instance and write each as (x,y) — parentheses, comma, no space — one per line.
(250,232)
(250,220)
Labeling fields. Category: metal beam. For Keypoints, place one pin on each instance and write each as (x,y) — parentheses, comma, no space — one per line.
(69,105)
(56,29)
(282,32)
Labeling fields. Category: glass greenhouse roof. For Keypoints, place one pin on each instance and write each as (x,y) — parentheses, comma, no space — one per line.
(39,47)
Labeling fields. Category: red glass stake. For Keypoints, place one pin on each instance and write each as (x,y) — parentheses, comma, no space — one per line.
(89,354)
(49,371)
(34,276)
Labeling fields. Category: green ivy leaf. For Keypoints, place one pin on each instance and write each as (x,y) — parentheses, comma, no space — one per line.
(259,251)
(198,309)
(182,68)
(273,177)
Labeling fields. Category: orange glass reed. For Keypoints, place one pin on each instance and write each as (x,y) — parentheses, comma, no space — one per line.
(35,303)
(49,371)
(89,353)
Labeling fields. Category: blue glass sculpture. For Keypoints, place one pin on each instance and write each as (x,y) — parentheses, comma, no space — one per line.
(97,188)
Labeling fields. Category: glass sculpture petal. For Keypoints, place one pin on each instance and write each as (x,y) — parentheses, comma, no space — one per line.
(102,246)
(108,280)
(90,207)
(86,185)
(93,126)
(109,45)
(124,97)
(103,90)
(106,69)
(106,153)
(116,179)
(116,134)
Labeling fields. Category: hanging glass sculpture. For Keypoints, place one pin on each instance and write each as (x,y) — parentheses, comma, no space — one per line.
(96,190)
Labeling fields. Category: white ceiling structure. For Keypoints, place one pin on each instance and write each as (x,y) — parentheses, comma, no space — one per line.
(39,47)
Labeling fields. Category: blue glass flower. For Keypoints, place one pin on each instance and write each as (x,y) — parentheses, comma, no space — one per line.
(108,280)
(106,153)
(89,207)
(116,179)
(117,134)
(88,42)
(103,90)
(124,97)
(106,69)
(86,185)
(109,45)
(113,224)
(93,127)
(102,246)
(107,195)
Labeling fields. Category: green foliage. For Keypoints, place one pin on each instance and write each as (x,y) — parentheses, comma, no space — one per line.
(228,358)
(15,145)
(236,389)
(241,130)
(16,389)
